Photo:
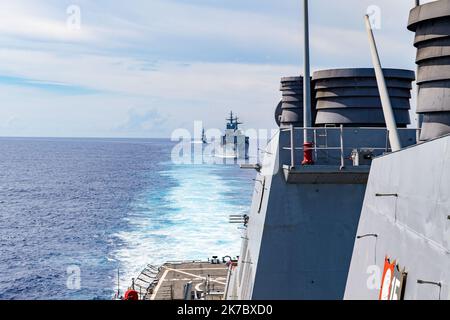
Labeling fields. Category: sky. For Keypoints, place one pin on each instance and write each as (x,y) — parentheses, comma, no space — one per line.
(143,68)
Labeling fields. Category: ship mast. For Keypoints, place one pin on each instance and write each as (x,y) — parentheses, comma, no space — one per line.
(306,75)
(307,119)
(233,122)
(231,118)
(388,112)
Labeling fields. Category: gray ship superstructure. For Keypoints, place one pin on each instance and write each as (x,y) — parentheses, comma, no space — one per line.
(303,221)
(402,249)
(431,24)
(359,221)
(350,202)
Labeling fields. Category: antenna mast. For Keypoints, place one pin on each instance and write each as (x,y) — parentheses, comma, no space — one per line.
(389,115)
(307,119)
(306,75)
(118,283)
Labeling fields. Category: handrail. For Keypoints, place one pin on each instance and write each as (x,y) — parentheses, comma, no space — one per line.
(341,136)
(339,146)
(292,145)
(349,128)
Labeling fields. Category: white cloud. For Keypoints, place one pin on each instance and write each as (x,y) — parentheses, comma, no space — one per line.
(182,59)
(170,80)
(182,93)
(20,19)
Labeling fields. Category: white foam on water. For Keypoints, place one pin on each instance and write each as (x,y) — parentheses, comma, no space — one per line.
(186,222)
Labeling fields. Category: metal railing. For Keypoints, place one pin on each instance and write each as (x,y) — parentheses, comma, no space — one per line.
(339,134)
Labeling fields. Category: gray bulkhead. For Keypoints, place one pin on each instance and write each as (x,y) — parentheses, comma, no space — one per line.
(300,236)
(407,206)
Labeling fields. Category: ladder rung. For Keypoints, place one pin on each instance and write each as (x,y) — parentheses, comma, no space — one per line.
(151,275)
(143,281)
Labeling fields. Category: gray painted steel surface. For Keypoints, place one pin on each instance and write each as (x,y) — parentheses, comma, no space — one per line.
(302,235)
(278,112)
(412,228)
(434,97)
(363,73)
(339,90)
(360,102)
(435,124)
(351,116)
(434,70)
(292,102)
(361,92)
(299,239)
(427,12)
(429,32)
(431,23)
(433,49)
(360,82)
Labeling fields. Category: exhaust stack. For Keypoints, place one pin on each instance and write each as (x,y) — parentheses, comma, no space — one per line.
(431,23)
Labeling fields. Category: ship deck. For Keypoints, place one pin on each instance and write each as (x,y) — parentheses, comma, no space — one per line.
(173,277)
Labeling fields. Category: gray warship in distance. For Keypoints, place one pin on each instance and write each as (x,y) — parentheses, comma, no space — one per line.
(349,202)
(234,144)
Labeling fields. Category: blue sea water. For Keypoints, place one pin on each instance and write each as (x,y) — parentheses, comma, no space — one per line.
(102,205)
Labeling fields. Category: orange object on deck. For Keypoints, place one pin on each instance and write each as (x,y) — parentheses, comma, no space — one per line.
(308,148)
(131,295)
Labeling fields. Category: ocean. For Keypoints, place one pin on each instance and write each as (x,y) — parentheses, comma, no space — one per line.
(74,213)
